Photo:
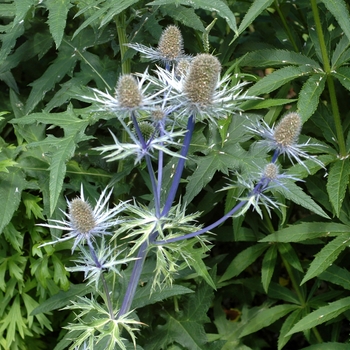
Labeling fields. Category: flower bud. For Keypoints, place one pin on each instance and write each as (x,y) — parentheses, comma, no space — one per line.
(128,92)
(287,131)
(170,44)
(202,79)
(82,216)
(147,130)
(271,171)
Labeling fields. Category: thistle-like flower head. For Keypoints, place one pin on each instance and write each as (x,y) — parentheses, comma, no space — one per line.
(169,50)
(83,222)
(283,139)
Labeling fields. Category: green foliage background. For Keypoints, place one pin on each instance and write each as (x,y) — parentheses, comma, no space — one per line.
(287,276)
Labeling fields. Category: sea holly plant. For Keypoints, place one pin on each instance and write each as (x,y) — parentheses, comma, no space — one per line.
(158,111)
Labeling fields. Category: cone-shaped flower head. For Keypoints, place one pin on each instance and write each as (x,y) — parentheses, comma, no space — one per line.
(128,92)
(202,78)
(288,130)
(271,171)
(82,216)
(83,222)
(170,45)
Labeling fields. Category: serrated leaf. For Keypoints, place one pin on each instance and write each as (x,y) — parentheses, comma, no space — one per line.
(211,5)
(267,103)
(265,317)
(258,6)
(287,251)
(321,315)
(185,15)
(309,95)
(305,231)
(268,266)
(58,10)
(336,275)
(343,75)
(242,261)
(341,54)
(64,151)
(294,193)
(290,321)
(278,78)
(62,299)
(276,58)
(340,11)
(338,180)
(146,296)
(62,65)
(11,186)
(326,256)
(16,28)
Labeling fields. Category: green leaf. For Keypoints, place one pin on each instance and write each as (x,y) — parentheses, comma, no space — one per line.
(265,317)
(278,78)
(325,257)
(185,15)
(336,275)
(58,10)
(267,103)
(16,28)
(62,299)
(343,75)
(341,54)
(243,260)
(13,322)
(309,95)
(339,10)
(328,346)
(146,295)
(338,180)
(276,57)
(287,326)
(294,193)
(11,186)
(62,65)
(211,5)
(268,266)
(305,231)
(321,315)
(258,6)
(287,251)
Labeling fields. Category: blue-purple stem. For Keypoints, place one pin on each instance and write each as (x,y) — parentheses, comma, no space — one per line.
(180,166)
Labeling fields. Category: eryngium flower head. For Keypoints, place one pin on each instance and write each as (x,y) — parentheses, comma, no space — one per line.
(169,50)
(130,96)
(198,89)
(283,139)
(202,78)
(83,222)
(170,44)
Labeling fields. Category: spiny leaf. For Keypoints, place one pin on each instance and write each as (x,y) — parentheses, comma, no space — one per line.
(326,256)
(11,186)
(58,10)
(321,315)
(340,11)
(305,231)
(309,95)
(278,78)
(275,58)
(338,179)
(211,5)
(258,6)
